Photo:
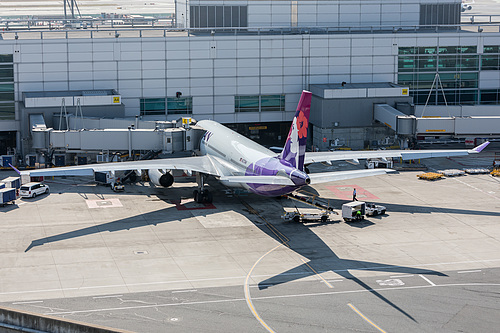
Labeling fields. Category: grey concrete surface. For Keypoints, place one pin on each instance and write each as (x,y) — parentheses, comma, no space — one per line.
(140,261)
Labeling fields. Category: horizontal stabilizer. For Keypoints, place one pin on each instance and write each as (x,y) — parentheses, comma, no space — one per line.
(269,180)
(325,177)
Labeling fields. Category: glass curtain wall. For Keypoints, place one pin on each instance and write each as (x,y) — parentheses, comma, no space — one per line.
(7,105)
(458,69)
(263,103)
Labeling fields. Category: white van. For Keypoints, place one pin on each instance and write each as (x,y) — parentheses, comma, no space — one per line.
(31,190)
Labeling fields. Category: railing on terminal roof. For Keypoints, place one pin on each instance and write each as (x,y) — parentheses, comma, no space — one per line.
(134,32)
(480,18)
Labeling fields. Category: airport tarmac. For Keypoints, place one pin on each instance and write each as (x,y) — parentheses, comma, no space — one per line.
(151,260)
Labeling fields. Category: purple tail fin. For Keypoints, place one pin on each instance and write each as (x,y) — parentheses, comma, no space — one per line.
(295,146)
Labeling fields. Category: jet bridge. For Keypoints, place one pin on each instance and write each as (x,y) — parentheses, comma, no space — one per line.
(167,137)
(457,126)
(401,123)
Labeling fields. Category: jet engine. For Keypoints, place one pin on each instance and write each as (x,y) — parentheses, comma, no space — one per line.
(161,178)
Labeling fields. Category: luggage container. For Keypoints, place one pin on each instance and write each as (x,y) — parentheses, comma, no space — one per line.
(31,160)
(12,182)
(104,178)
(59,160)
(7,195)
(5,160)
(81,160)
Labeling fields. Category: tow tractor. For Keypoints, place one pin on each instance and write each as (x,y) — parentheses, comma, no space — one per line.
(312,200)
(118,186)
(373,209)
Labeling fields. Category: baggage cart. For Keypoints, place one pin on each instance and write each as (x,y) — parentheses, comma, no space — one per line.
(12,182)
(7,196)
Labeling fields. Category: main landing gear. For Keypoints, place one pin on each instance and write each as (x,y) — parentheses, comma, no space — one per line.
(202,195)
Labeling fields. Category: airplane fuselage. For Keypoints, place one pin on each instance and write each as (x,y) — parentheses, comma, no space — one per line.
(237,155)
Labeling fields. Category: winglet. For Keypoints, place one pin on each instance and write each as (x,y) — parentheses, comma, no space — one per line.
(15,169)
(479,148)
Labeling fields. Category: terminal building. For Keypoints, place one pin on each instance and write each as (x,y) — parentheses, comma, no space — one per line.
(245,63)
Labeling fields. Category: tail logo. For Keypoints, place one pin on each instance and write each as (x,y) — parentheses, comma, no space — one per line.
(302,123)
(295,145)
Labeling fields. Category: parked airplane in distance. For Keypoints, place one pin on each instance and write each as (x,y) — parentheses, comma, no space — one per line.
(237,161)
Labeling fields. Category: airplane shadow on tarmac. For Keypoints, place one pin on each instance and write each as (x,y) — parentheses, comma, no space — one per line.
(299,238)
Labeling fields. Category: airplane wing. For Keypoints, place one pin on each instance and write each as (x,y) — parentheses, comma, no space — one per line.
(325,177)
(202,164)
(315,157)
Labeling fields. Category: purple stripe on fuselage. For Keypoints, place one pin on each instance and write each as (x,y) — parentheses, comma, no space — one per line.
(272,166)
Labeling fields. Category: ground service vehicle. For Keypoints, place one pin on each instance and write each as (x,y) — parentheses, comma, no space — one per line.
(373,209)
(353,211)
(31,190)
(296,216)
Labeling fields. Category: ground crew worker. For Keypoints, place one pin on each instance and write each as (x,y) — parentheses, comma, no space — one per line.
(358,215)
(354,195)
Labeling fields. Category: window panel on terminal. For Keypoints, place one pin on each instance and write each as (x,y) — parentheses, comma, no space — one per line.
(447,63)
(490,96)
(272,103)
(406,64)
(6,58)
(152,106)
(469,62)
(181,105)
(246,103)
(491,49)
(427,63)
(7,111)
(490,62)
(407,50)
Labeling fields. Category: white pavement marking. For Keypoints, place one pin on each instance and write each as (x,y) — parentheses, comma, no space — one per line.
(475,271)
(429,281)
(109,203)
(401,276)
(390,282)
(110,296)
(235,277)
(364,317)
(271,297)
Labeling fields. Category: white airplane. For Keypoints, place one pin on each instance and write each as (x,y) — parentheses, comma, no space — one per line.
(237,161)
